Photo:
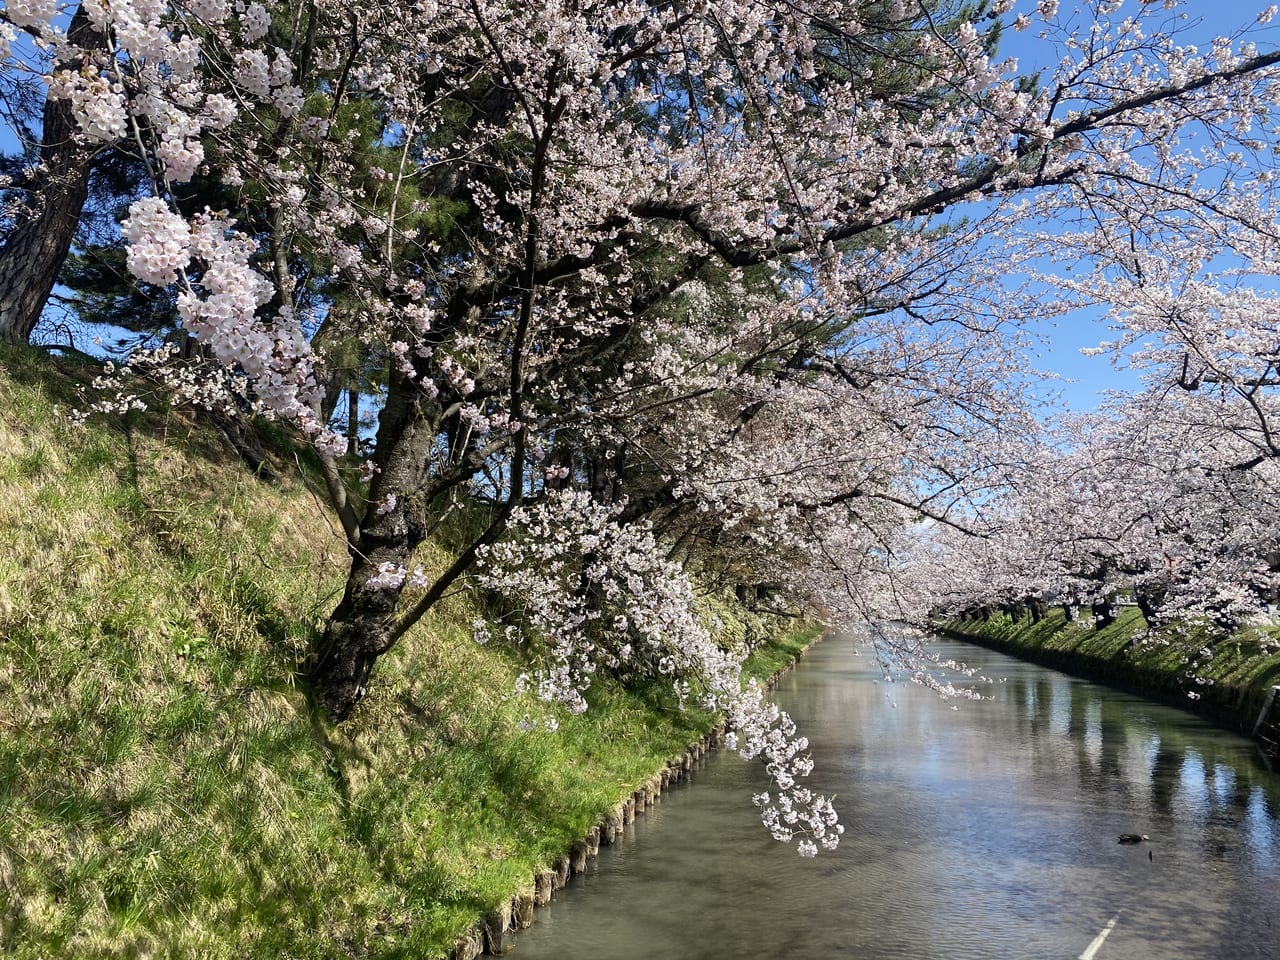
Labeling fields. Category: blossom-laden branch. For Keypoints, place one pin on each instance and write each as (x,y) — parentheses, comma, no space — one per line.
(592,595)
(709,276)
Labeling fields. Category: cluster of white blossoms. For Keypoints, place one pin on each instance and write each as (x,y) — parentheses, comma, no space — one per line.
(595,594)
(159,241)
(194,382)
(392,576)
(224,308)
(97,102)
(270,349)
(31,13)
(782,817)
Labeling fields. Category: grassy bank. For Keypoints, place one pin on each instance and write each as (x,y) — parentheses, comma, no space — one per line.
(1228,686)
(166,788)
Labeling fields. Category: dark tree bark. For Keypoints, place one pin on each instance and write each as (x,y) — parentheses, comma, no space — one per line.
(361,629)
(366,623)
(33,253)
(1103,614)
(1037,607)
(1015,610)
(358,632)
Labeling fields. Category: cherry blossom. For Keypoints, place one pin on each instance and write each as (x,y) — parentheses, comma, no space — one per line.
(715,292)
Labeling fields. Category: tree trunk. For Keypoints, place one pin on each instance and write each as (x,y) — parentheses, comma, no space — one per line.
(1103,615)
(359,630)
(34,250)
(357,634)
(353,419)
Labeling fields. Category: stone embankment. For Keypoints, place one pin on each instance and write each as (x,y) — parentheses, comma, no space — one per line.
(492,935)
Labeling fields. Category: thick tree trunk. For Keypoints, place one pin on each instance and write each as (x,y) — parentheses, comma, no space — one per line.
(360,629)
(357,634)
(34,250)
(1103,614)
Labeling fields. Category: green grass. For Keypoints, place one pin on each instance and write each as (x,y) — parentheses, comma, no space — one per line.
(768,658)
(1167,663)
(166,789)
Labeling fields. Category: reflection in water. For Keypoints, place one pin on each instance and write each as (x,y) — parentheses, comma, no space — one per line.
(981,829)
(1149,756)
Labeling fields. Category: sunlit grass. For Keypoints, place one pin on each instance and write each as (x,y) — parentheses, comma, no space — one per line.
(166,789)
(1168,662)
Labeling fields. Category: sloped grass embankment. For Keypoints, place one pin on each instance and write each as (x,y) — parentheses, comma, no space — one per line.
(166,788)
(1229,685)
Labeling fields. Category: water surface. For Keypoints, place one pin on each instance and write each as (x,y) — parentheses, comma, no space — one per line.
(973,830)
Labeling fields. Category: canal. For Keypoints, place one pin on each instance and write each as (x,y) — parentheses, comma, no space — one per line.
(974,829)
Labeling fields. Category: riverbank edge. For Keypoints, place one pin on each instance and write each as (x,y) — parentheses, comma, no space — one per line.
(167,786)
(1232,690)
(492,934)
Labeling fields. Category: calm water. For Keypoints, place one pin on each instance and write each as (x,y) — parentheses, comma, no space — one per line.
(987,831)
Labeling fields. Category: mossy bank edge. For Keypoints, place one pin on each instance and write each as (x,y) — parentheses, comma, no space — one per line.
(1231,686)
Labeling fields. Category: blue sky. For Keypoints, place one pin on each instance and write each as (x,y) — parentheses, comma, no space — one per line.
(1088,377)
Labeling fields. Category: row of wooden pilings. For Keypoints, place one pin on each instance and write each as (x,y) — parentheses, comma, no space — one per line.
(492,935)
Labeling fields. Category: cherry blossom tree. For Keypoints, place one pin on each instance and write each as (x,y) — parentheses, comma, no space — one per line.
(1149,501)
(1169,492)
(673,290)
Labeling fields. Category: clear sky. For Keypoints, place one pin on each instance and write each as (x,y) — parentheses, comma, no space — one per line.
(1088,377)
